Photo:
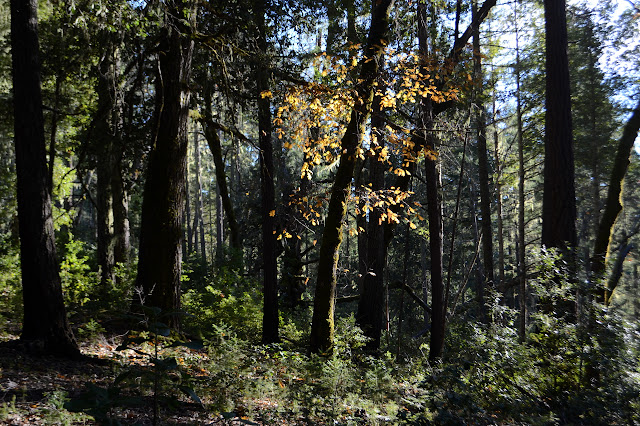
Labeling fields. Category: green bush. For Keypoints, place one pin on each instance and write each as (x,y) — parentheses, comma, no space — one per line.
(228,298)
(79,284)
(573,368)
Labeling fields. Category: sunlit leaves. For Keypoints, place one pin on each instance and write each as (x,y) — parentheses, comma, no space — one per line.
(313,117)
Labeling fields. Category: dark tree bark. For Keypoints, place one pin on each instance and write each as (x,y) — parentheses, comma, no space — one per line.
(322,327)
(105,135)
(483,166)
(559,200)
(521,247)
(270,317)
(160,259)
(219,224)
(120,204)
(215,145)
(187,246)
(198,221)
(371,303)
(613,206)
(434,202)
(45,327)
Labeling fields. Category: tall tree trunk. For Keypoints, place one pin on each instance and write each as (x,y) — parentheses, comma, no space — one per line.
(613,205)
(270,317)
(188,243)
(45,326)
(215,145)
(160,260)
(106,133)
(434,203)
(370,305)
(198,221)
(559,199)
(500,226)
(54,130)
(483,163)
(522,261)
(322,327)
(120,204)
(219,225)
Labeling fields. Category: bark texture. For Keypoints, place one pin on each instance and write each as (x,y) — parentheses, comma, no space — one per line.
(45,327)
(559,199)
(270,317)
(371,304)
(160,260)
(322,327)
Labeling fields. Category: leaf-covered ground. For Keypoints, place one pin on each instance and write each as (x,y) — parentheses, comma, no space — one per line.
(34,388)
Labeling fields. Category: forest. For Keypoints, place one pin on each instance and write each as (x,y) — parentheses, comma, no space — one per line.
(347,212)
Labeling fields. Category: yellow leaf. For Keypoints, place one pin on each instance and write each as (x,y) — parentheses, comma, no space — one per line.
(272,213)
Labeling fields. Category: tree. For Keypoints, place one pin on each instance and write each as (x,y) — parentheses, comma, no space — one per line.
(271,318)
(483,166)
(45,326)
(559,200)
(613,205)
(322,326)
(160,259)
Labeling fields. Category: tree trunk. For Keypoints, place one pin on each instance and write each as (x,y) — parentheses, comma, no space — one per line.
(521,248)
(120,204)
(370,305)
(483,164)
(160,260)
(198,221)
(106,133)
(215,145)
(187,246)
(219,225)
(322,327)
(45,326)
(613,205)
(559,200)
(270,318)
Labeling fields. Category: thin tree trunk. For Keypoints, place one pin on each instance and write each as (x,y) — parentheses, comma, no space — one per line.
(105,130)
(215,145)
(189,240)
(219,225)
(198,221)
(54,131)
(45,326)
(322,327)
(434,204)
(483,166)
(270,318)
(522,265)
(496,150)
(120,204)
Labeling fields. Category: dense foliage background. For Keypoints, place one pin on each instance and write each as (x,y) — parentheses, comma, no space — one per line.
(273,92)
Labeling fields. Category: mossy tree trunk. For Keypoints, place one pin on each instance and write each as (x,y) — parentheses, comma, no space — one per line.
(322,327)
(613,205)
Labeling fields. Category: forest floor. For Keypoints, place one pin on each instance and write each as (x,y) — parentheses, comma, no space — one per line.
(34,388)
